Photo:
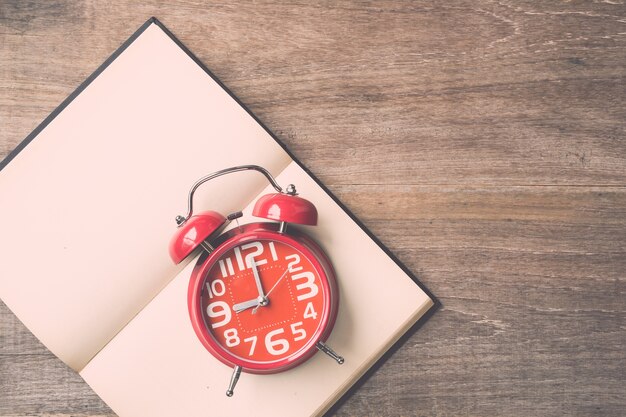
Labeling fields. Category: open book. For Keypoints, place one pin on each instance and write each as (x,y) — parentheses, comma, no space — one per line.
(87,208)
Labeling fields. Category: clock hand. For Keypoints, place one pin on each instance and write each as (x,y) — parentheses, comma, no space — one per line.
(270,291)
(257,279)
(246,305)
(277,282)
(260,300)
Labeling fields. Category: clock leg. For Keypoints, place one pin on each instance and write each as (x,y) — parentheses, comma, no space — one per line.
(233,381)
(321,346)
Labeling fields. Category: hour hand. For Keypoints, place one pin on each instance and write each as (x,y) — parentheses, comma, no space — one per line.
(238,308)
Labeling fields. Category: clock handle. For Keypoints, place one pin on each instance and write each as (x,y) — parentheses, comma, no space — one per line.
(180,220)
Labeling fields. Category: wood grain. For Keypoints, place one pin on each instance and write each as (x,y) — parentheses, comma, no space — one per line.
(483,142)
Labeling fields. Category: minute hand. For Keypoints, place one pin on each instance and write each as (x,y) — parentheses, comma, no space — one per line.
(257,279)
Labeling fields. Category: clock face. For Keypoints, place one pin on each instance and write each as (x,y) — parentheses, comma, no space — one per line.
(264,302)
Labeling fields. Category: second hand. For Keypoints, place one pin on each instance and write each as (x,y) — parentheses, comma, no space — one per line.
(271,289)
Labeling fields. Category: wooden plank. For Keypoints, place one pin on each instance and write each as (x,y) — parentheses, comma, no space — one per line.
(483,142)
(532,285)
(40,384)
(400,93)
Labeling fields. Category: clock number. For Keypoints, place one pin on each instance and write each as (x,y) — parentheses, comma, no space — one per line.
(239,259)
(273,251)
(292,265)
(278,346)
(232,339)
(213,288)
(295,330)
(226,264)
(253,340)
(223,266)
(258,251)
(219,309)
(309,285)
(309,311)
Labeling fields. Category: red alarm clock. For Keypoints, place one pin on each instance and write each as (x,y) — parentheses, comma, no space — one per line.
(262,297)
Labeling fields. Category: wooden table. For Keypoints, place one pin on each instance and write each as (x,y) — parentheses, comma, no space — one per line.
(483,142)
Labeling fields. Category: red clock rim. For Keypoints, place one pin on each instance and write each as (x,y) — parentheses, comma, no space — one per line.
(261,231)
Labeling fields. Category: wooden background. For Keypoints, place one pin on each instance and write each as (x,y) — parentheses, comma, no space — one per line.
(484,142)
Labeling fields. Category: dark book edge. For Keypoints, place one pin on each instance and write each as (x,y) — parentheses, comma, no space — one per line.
(105,64)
